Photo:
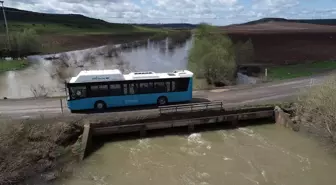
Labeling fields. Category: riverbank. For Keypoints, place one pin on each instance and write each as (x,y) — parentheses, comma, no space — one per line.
(11,65)
(63,37)
(291,118)
(276,73)
(27,151)
(54,125)
(300,70)
(56,43)
(30,156)
(63,43)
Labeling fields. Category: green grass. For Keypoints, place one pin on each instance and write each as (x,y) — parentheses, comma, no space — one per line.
(45,23)
(73,29)
(65,24)
(12,65)
(300,70)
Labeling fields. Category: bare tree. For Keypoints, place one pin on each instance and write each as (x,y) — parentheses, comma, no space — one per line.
(39,91)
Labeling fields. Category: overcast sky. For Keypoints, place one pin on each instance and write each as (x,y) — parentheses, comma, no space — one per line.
(219,12)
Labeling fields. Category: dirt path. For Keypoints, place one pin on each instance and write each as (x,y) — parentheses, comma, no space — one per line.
(268,92)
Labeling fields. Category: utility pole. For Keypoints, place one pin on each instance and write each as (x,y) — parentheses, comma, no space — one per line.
(6,25)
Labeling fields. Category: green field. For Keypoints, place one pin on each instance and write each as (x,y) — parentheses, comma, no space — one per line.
(70,24)
(73,29)
(12,65)
(66,32)
(300,70)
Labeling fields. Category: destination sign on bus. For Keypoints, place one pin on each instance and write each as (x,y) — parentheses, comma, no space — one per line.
(100,78)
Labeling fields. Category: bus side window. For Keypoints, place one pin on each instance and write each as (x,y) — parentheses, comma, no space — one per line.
(94,88)
(99,90)
(125,89)
(159,87)
(151,87)
(77,92)
(115,89)
(144,87)
(182,84)
(103,88)
(173,83)
(168,88)
(133,88)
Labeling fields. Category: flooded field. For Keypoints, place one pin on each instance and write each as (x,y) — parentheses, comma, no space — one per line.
(43,76)
(260,155)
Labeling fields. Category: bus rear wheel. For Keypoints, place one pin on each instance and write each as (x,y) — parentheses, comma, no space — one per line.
(162,101)
(100,105)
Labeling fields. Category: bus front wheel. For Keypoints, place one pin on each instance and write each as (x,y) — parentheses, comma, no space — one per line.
(162,101)
(100,105)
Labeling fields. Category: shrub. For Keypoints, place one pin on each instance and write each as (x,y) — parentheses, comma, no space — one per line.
(33,147)
(317,108)
(24,43)
(212,56)
(244,52)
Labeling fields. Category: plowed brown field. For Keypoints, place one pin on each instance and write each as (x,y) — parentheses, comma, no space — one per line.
(287,43)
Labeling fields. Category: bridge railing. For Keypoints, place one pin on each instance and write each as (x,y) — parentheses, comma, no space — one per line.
(191,107)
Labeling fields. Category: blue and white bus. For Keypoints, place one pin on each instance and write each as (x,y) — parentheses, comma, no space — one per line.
(102,89)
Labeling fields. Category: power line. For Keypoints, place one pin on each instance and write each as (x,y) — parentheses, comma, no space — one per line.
(6,25)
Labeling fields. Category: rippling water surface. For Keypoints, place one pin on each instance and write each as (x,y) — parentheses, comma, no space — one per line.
(260,155)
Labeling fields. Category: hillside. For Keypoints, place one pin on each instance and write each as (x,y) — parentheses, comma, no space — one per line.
(71,20)
(65,32)
(171,25)
(76,21)
(309,21)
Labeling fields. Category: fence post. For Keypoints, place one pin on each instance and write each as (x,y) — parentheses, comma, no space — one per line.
(61,105)
(266,73)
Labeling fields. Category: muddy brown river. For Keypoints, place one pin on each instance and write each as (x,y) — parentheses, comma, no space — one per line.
(259,155)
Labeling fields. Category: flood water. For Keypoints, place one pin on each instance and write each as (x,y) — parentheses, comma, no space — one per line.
(259,155)
(41,76)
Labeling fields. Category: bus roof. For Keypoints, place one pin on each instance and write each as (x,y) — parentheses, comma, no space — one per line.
(116,75)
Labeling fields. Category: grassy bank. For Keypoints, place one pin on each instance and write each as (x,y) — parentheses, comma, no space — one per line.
(66,32)
(62,43)
(55,38)
(12,65)
(314,113)
(300,70)
(30,155)
(76,29)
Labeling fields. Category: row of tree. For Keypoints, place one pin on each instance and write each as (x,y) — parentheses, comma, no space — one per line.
(215,57)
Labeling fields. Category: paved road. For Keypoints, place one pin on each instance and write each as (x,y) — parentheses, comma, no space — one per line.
(32,108)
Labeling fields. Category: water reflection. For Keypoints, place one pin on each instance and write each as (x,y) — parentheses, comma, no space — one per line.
(159,56)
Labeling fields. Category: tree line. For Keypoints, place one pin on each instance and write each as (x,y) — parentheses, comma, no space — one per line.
(215,57)
(21,44)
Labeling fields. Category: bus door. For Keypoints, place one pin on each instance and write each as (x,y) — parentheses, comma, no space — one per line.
(130,92)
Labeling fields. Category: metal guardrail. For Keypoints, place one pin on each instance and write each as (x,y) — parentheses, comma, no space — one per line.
(191,107)
(115,129)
